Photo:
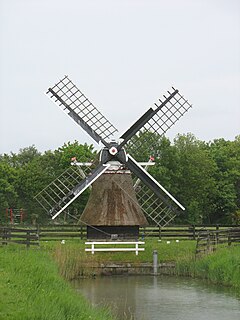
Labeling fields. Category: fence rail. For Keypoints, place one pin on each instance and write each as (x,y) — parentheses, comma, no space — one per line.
(60,232)
(186,232)
(209,240)
(23,236)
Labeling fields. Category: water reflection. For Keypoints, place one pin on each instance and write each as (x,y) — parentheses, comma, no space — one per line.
(160,298)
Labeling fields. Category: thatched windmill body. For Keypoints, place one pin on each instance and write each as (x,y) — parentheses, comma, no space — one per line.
(119,203)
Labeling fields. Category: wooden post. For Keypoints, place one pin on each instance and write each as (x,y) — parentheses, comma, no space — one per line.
(217,234)
(4,232)
(160,233)
(229,238)
(81,232)
(208,241)
(9,235)
(38,231)
(28,239)
(194,232)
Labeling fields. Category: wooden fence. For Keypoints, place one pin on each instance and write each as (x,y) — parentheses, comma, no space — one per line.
(29,235)
(209,240)
(187,232)
(23,236)
(60,232)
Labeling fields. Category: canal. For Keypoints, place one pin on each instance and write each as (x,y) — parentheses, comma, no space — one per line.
(160,298)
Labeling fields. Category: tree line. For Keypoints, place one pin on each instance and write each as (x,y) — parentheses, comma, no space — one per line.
(203,176)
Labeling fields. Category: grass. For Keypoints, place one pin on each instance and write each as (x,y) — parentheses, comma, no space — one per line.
(32,284)
(220,267)
(73,261)
(31,288)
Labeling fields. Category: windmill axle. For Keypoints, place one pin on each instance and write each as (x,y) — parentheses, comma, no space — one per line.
(113,153)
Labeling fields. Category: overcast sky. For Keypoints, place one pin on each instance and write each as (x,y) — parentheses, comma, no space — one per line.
(123,55)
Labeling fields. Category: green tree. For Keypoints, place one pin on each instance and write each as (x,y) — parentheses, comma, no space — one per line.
(82,152)
(195,179)
(226,155)
(22,158)
(8,193)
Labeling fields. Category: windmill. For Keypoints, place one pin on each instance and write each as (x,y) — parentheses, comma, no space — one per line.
(134,202)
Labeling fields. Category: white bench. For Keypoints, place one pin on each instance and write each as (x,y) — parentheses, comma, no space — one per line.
(94,243)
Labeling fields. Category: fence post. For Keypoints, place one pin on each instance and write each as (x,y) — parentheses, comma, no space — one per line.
(38,233)
(159,233)
(194,232)
(229,238)
(4,232)
(9,235)
(208,241)
(217,233)
(81,232)
(28,239)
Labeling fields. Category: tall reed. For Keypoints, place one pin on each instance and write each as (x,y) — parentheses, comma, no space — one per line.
(221,267)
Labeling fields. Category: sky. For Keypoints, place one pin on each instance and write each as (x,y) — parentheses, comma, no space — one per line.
(124,55)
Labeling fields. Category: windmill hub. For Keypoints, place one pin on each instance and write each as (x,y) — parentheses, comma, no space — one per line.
(113,151)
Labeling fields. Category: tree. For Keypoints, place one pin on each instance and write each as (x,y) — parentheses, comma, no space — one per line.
(204,177)
(25,156)
(226,155)
(8,193)
(82,152)
(195,179)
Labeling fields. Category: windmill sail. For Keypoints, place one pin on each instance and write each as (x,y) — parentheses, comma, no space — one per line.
(145,132)
(81,110)
(58,188)
(65,189)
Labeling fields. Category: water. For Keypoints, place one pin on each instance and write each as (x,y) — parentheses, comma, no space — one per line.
(160,298)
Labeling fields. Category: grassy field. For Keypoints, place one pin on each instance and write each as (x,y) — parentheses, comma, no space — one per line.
(31,288)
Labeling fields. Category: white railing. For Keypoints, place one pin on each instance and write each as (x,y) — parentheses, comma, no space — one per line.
(135,248)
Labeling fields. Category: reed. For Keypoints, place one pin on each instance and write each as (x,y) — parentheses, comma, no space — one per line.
(74,262)
(220,267)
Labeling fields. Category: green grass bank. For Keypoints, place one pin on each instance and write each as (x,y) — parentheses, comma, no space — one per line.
(220,267)
(33,282)
(31,288)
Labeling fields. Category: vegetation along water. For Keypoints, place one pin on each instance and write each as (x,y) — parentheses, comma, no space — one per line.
(32,284)
(31,288)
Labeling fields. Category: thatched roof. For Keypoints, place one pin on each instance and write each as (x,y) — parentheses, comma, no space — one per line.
(113,202)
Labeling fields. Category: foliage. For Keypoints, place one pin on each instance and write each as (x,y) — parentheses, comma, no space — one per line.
(8,195)
(25,174)
(204,177)
(226,155)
